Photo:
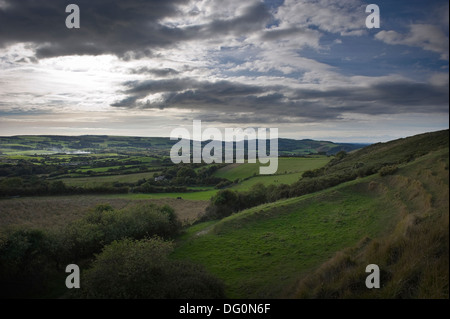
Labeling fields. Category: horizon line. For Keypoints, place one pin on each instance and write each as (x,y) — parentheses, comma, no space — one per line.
(166,137)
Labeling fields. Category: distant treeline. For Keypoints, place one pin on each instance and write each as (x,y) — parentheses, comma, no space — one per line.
(17,186)
(192,175)
(54,168)
(39,187)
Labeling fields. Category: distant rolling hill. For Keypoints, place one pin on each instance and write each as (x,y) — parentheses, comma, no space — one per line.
(305,147)
(100,143)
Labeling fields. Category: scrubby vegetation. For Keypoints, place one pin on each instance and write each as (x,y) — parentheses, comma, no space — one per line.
(104,225)
(32,259)
(130,269)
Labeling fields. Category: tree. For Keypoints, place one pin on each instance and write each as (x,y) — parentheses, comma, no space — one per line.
(341,155)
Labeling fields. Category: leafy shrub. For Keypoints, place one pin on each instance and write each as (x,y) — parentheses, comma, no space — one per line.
(388,170)
(227,202)
(223,184)
(103,225)
(130,269)
(313,173)
(25,262)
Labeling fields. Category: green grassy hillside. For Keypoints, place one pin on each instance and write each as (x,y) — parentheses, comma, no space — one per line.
(413,257)
(390,153)
(276,250)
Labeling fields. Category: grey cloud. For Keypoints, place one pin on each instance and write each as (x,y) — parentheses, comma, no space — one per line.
(27,60)
(241,102)
(426,36)
(282,33)
(253,19)
(127,102)
(113,26)
(400,93)
(157,72)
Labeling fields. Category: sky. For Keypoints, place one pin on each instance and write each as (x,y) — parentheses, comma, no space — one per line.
(312,69)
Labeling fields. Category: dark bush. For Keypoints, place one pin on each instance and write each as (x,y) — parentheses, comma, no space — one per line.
(223,184)
(130,269)
(25,262)
(388,170)
(103,225)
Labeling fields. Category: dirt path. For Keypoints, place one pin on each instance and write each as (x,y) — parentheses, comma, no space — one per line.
(204,231)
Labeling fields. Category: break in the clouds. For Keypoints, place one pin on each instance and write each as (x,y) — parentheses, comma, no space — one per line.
(302,65)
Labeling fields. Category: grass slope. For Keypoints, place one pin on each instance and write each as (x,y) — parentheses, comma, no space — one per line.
(413,258)
(265,251)
(390,153)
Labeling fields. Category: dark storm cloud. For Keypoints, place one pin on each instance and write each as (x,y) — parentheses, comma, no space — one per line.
(111,26)
(400,93)
(157,72)
(184,93)
(240,102)
(252,19)
(106,26)
(279,34)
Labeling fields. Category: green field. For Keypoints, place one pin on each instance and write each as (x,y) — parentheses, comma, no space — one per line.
(286,165)
(267,180)
(289,171)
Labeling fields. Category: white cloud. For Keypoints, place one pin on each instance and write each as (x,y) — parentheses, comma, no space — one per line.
(343,17)
(426,36)
(60,84)
(440,79)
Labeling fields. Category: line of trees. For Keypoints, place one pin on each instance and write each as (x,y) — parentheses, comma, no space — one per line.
(192,175)
(17,186)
